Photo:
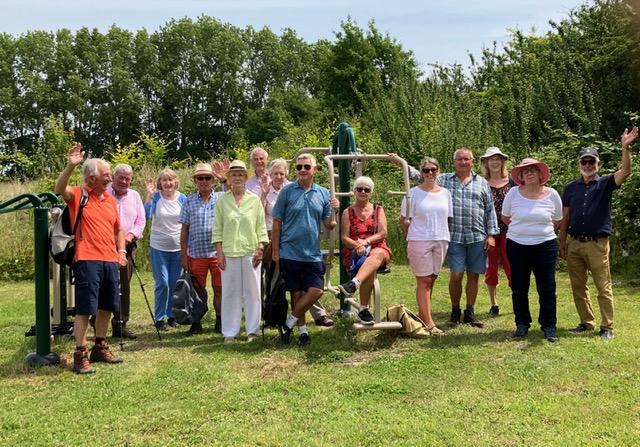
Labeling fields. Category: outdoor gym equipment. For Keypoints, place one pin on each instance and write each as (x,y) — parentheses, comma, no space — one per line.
(344,151)
(359,163)
(43,354)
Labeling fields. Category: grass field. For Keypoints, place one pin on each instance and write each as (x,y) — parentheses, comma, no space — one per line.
(471,387)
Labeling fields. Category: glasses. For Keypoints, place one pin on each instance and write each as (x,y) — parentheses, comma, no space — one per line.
(305,167)
(465,159)
(587,161)
(204,178)
(361,189)
(429,170)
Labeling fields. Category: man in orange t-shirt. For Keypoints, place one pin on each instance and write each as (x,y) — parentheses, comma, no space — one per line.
(100,252)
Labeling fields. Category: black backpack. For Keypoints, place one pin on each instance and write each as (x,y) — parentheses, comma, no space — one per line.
(274,304)
(62,238)
(189,300)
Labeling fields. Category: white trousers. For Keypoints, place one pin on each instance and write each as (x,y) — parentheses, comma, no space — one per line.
(240,290)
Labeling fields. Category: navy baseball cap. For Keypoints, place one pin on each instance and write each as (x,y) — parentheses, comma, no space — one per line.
(588,152)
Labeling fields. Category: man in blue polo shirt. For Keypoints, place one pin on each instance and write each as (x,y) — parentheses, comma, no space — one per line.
(587,222)
(295,237)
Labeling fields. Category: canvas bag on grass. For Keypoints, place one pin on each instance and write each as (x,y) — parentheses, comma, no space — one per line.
(412,325)
(62,238)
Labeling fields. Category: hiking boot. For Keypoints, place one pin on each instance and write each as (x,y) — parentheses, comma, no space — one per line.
(606,334)
(579,329)
(324,321)
(550,334)
(101,353)
(455,317)
(123,332)
(471,319)
(494,311)
(161,325)
(303,339)
(348,288)
(217,327)
(195,329)
(285,334)
(81,363)
(173,323)
(521,331)
(365,317)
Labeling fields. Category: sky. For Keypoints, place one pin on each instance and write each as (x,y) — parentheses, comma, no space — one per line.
(437,31)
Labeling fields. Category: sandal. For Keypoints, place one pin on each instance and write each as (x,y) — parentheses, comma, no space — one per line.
(434,330)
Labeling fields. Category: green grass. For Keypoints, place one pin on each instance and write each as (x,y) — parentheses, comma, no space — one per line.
(472,387)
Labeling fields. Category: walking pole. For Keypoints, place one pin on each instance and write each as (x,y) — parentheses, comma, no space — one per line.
(144,294)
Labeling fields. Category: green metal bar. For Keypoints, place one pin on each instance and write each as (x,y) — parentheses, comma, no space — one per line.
(344,143)
(41,255)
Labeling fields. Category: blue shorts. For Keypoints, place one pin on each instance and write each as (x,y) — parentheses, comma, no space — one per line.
(97,286)
(467,257)
(300,275)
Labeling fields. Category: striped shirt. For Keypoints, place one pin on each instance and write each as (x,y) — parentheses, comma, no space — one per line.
(199,216)
(474,217)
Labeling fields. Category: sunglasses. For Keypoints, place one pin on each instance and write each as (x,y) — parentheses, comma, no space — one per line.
(587,161)
(429,170)
(305,167)
(361,189)
(204,178)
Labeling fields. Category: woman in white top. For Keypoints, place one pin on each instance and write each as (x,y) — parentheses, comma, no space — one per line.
(533,213)
(427,235)
(163,208)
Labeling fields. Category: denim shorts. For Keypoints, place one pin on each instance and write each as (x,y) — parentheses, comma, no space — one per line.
(467,257)
(97,286)
(301,275)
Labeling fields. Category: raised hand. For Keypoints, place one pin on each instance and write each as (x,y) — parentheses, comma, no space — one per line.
(265,183)
(76,154)
(150,185)
(628,137)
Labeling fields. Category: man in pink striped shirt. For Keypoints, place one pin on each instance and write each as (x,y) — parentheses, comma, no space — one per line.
(132,222)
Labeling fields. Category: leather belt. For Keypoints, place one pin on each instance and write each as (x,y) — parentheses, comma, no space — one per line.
(583,238)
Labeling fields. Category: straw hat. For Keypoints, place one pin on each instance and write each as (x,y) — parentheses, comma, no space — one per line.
(203,169)
(238,165)
(517,170)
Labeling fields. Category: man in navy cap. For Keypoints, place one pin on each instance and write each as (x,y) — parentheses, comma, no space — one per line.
(587,223)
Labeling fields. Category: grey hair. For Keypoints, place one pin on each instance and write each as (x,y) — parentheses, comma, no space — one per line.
(258,149)
(279,162)
(463,149)
(90,167)
(363,180)
(124,168)
(307,156)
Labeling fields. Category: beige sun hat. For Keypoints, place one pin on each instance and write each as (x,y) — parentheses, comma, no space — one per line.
(491,151)
(203,169)
(238,165)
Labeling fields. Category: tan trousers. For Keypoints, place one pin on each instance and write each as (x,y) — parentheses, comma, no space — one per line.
(582,258)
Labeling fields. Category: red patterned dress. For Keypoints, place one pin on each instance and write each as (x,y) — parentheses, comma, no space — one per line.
(362,229)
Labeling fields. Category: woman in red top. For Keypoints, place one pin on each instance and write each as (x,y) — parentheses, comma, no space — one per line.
(494,170)
(364,229)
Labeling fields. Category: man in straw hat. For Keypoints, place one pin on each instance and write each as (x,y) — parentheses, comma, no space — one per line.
(197,254)
(585,231)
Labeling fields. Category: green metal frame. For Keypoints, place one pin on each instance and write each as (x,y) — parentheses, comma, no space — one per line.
(344,143)
(43,354)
